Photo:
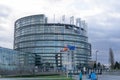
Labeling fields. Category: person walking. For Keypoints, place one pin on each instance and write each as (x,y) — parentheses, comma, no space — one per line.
(93,76)
(80,76)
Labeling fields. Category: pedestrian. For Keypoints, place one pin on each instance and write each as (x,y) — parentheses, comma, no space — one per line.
(89,75)
(93,76)
(80,76)
(70,74)
(100,71)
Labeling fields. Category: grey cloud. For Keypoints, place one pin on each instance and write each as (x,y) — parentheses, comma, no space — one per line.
(4,14)
(4,11)
(5,39)
(54,1)
(114,5)
(1,28)
(106,35)
(110,5)
(83,6)
(102,56)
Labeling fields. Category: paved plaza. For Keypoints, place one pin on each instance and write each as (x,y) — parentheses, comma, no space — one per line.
(100,77)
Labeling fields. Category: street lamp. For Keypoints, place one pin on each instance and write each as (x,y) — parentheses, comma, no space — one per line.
(96,55)
(96,61)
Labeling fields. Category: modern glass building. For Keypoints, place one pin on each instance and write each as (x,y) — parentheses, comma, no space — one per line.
(35,35)
(8,59)
(13,62)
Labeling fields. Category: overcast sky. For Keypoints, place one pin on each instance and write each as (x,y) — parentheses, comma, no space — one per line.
(102,17)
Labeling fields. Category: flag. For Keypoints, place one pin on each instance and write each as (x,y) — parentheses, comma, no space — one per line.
(68,47)
(64,49)
(71,47)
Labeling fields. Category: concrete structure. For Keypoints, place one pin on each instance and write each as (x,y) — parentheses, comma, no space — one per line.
(33,34)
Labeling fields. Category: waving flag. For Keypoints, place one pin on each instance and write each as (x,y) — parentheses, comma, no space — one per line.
(71,47)
(68,47)
(64,49)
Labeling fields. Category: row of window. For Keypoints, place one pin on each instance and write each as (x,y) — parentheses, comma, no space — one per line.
(51,43)
(50,60)
(26,57)
(30,20)
(50,36)
(45,29)
(52,50)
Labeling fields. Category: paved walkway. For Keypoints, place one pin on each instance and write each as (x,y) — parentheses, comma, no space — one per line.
(76,77)
(100,77)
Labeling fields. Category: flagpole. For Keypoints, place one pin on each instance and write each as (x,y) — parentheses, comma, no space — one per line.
(70,58)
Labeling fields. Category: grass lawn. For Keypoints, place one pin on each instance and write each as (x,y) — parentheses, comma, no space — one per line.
(51,77)
(56,77)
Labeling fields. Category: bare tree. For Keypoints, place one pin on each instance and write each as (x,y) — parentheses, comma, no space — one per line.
(111,58)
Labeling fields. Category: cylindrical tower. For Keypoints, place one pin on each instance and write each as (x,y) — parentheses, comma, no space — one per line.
(33,34)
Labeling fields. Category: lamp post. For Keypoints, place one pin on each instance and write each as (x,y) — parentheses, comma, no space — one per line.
(96,56)
(96,61)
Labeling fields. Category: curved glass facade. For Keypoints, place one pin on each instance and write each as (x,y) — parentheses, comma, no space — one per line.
(33,34)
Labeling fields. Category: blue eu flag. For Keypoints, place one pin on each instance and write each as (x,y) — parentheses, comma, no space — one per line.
(71,47)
